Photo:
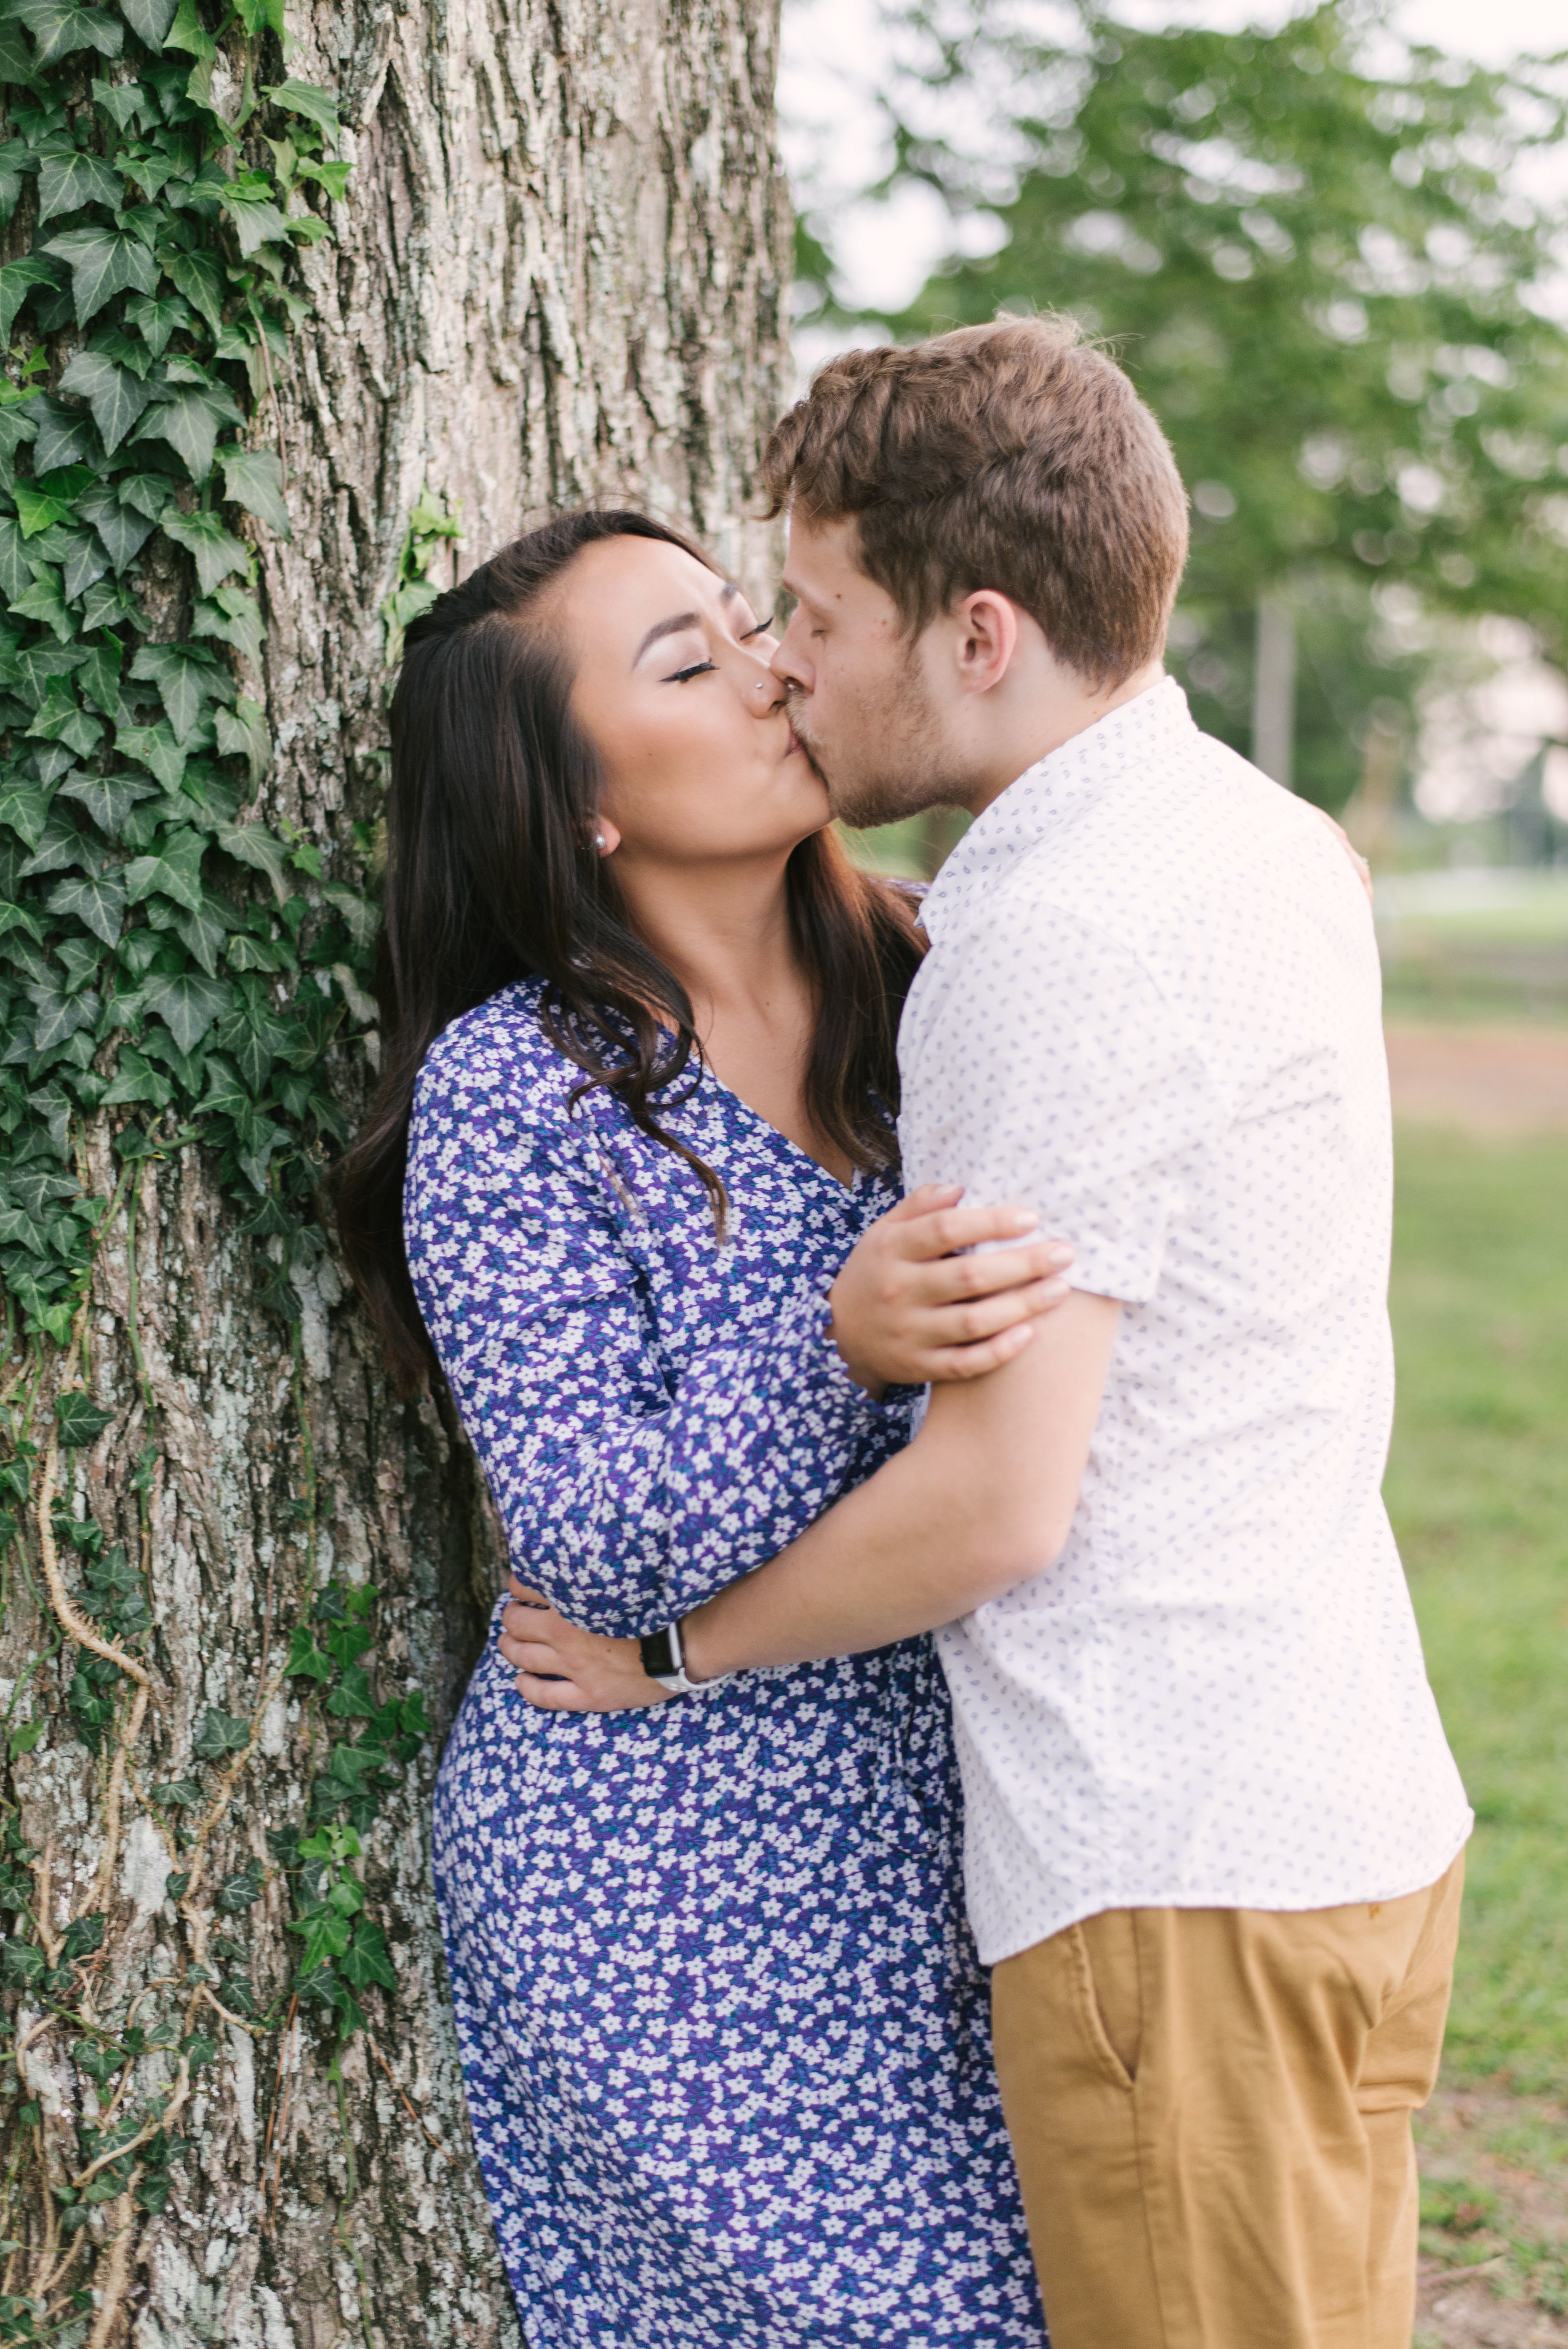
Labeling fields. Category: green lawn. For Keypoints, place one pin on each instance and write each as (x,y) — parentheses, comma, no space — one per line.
(1478,1489)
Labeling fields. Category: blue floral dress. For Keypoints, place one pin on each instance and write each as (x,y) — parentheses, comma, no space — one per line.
(724,2032)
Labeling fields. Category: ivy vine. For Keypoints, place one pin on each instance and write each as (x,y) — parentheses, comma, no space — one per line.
(170,963)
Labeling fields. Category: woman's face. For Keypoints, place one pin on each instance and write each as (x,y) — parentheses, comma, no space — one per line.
(673,690)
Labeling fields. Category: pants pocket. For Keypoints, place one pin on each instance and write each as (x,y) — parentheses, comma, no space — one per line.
(1104,1951)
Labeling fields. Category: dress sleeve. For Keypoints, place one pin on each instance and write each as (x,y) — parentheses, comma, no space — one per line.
(629,1494)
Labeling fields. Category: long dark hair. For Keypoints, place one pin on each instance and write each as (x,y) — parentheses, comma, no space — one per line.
(492,875)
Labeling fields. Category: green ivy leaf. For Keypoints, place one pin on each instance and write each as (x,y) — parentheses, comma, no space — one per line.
(155,319)
(64,436)
(365,1961)
(120,101)
(62,719)
(199,279)
(104,263)
(180,1793)
(186,679)
(108,799)
(26,810)
(149,19)
(254,478)
(219,1734)
(60,28)
(79,1419)
(98,900)
(19,1229)
(98,676)
(174,871)
(360,917)
(188,419)
(204,932)
(187,32)
(84,1935)
(18,917)
(155,748)
(250,843)
(244,734)
(234,619)
(242,1889)
(187,1003)
(248,201)
(17,279)
(304,1656)
(216,549)
(43,601)
(69,177)
(123,531)
(136,1079)
(36,511)
(304,97)
(113,394)
(15,578)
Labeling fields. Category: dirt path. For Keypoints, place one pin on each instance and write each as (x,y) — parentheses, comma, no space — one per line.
(1494,2238)
(1487,1079)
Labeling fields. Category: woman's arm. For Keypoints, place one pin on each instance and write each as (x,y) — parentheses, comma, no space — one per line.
(634,1495)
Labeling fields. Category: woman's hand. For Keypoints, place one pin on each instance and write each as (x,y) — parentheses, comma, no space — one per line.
(563,1669)
(909,1309)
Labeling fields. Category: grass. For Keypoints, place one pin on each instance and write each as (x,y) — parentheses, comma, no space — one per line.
(1478,1489)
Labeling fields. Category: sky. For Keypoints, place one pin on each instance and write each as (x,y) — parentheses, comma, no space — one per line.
(835,52)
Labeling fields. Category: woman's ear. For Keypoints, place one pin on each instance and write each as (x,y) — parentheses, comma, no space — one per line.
(606,838)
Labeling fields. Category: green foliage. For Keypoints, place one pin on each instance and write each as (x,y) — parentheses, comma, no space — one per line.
(141,969)
(1320,279)
(165,960)
(413,591)
(345,1950)
(1477,1492)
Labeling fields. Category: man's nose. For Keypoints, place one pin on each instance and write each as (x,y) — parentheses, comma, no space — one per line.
(788,664)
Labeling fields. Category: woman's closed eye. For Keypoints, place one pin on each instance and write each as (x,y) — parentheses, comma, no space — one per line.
(701,668)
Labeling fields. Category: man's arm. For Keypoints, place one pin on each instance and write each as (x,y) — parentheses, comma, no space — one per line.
(982,1499)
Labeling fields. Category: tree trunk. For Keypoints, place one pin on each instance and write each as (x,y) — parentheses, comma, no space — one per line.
(556,276)
(1273,689)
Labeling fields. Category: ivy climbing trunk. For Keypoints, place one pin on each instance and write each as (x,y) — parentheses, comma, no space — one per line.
(240,1576)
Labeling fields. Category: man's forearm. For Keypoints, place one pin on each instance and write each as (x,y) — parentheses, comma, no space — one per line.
(982,1499)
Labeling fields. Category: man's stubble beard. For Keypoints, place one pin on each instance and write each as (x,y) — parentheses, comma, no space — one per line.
(895,765)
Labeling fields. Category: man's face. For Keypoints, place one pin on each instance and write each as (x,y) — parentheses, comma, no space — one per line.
(859,696)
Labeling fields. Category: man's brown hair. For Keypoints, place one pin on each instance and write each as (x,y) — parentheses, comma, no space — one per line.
(1013,456)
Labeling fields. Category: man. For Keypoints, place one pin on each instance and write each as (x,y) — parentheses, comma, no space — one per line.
(1214,1832)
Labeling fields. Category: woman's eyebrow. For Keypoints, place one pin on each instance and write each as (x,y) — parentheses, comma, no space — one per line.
(679,620)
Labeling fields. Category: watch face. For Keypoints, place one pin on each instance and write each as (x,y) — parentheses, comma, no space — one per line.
(659,1659)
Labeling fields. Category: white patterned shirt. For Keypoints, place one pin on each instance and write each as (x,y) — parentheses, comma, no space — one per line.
(1151,1010)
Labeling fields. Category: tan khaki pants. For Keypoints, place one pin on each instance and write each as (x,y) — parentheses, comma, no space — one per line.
(1211,2110)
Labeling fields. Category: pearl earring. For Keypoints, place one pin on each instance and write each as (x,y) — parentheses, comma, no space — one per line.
(598,842)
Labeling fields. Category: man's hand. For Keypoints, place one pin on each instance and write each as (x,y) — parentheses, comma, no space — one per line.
(563,1669)
(910,1309)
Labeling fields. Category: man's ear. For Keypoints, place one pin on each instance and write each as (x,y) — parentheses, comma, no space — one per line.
(986,638)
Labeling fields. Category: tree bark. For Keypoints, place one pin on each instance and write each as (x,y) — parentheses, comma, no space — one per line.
(557,277)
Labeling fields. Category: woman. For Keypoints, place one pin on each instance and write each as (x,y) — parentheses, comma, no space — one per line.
(724,2034)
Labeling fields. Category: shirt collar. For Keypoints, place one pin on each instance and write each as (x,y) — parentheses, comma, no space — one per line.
(1080,769)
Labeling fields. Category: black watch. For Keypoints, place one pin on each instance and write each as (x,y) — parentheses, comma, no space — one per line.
(664,1659)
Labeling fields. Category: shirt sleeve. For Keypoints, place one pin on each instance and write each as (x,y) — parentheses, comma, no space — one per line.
(629,1494)
(1044,1064)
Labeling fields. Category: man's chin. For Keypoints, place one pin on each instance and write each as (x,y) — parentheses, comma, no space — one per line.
(864,806)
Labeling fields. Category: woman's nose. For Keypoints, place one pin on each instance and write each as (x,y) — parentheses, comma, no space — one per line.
(766,694)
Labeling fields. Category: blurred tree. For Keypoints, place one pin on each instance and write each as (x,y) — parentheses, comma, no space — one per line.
(1318,263)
